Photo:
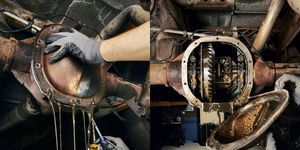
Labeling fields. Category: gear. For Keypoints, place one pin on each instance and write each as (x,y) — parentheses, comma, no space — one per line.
(208,72)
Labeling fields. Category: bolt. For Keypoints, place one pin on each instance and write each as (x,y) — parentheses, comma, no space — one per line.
(52,28)
(38,65)
(40,42)
(193,59)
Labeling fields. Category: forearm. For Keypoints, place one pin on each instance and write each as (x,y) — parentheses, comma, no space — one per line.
(132,45)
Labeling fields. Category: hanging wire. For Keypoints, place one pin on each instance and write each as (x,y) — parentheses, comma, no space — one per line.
(156,34)
(251,45)
(55,126)
(190,36)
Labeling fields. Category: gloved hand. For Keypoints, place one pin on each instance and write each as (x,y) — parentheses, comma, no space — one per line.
(69,41)
(117,142)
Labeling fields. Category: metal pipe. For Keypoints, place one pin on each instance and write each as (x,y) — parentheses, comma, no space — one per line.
(266,73)
(20,113)
(158,74)
(116,86)
(7,51)
(267,25)
(15,54)
(168,74)
(154,29)
(34,28)
(286,68)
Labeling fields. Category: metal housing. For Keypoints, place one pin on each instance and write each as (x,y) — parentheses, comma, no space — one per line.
(241,48)
(249,122)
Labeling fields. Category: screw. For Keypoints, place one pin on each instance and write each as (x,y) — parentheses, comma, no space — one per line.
(38,65)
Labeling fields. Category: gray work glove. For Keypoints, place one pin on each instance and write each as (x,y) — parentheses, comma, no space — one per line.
(120,145)
(69,41)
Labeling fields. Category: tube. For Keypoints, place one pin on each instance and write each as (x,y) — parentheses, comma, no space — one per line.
(19,114)
(267,25)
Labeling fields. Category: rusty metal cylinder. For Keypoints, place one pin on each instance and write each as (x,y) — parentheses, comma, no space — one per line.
(158,74)
(116,86)
(15,54)
(286,68)
(168,74)
(263,74)
(7,51)
(266,73)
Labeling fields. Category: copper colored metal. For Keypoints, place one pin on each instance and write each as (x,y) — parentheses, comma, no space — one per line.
(15,54)
(265,73)
(116,86)
(26,79)
(168,74)
(249,122)
(7,51)
(174,76)
(69,81)
(158,73)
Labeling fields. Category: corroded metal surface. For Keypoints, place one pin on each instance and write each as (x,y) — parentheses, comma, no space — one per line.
(250,121)
(238,101)
(158,73)
(23,55)
(69,80)
(116,86)
(220,107)
(265,73)
(286,68)
(174,74)
(166,15)
(15,54)
(7,50)
(207,5)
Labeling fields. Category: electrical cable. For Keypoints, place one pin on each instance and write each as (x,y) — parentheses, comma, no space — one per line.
(196,31)
(156,34)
